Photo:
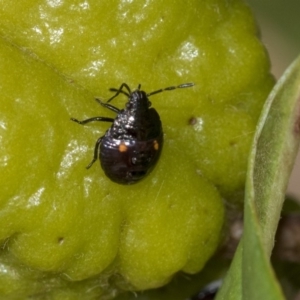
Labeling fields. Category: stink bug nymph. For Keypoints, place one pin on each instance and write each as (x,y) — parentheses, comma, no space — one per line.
(131,147)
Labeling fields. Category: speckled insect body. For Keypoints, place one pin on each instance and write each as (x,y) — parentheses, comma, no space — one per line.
(131,147)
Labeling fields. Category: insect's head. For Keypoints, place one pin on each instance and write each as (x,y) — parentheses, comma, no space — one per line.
(138,100)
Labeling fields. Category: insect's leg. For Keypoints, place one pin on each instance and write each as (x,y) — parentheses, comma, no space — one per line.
(120,90)
(101,119)
(111,107)
(96,151)
(184,85)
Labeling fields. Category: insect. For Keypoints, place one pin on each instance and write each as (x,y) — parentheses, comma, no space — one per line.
(131,147)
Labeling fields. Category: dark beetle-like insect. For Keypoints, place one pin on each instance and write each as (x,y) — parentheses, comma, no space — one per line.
(131,147)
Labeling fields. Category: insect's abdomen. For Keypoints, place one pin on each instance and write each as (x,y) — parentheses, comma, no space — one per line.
(128,161)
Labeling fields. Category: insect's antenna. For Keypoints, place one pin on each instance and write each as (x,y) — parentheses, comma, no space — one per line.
(170,88)
(119,90)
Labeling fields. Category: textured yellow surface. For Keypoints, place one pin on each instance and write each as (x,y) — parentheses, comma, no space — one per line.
(60,222)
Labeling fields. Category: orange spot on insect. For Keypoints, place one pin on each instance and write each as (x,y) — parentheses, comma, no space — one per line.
(122,148)
(155,145)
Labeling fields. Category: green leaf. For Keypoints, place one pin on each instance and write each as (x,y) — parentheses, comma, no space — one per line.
(271,160)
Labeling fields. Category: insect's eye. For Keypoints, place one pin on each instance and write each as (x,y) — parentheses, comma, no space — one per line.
(149,104)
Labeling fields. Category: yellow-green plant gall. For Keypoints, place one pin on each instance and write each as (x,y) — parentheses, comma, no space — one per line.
(71,233)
